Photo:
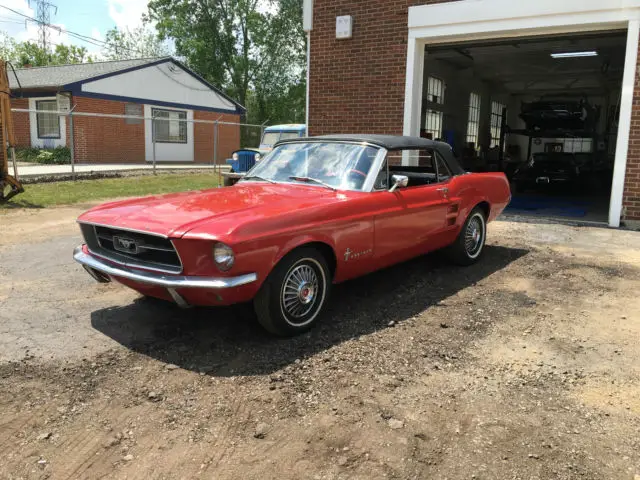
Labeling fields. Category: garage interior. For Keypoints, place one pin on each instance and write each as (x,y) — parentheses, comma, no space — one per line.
(544,110)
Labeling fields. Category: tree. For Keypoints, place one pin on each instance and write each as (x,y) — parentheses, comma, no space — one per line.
(64,54)
(136,43)
(28,53)
(254,49)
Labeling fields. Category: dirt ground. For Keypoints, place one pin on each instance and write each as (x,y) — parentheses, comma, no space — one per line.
(525,366)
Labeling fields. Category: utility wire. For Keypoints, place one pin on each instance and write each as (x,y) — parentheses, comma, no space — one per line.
(79,36)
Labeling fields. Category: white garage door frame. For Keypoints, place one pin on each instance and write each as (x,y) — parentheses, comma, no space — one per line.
(475,20)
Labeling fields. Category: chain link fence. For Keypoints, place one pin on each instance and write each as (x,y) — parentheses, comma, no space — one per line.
(59,142)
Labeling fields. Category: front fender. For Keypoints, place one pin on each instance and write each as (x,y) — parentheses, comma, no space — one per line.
(301,240)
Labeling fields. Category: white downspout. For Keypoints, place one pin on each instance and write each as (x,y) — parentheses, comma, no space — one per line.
(308,78)
(307,26)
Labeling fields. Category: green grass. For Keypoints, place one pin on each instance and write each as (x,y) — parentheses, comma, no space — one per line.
(41,195)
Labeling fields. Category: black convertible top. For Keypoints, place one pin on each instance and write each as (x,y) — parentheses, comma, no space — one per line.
(391,143)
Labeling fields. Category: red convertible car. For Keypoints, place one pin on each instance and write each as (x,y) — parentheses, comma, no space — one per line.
(314,212)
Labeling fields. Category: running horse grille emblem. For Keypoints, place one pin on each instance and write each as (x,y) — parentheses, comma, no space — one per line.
(125,245)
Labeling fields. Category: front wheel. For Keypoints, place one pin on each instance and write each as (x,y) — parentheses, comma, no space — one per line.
(228,182)
(293,296)
(469,245)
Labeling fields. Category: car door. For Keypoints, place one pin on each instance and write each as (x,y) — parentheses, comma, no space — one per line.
(410,219)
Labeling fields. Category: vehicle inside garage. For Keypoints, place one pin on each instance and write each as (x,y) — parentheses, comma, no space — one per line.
(544,110)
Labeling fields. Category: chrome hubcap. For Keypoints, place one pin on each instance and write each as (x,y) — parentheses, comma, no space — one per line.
(473,236)
(299,292)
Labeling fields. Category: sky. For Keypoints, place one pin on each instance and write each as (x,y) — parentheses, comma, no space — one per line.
(92,18)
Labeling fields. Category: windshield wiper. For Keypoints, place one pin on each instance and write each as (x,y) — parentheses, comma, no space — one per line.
(312,180)
(257,177)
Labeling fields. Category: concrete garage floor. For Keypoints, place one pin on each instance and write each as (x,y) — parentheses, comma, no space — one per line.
(524,366)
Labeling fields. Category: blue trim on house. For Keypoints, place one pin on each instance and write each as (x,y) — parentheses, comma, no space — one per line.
(20,94)
(76,88)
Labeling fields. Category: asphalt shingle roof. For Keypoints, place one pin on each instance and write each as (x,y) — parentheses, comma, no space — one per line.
(58,75)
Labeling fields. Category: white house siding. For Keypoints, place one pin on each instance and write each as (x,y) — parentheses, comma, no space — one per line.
(166,82)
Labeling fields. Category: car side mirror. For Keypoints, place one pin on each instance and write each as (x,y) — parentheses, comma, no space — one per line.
(399,181)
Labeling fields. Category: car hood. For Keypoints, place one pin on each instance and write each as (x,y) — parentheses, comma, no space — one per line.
(173,215)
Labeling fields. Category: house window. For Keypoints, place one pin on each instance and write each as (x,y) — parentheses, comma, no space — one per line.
(497,110)
(473,127)
(48,124)
(169,126)
(433,124)
(435,90)
(578,145)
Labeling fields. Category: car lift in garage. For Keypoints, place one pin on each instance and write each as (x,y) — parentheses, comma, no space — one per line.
(9,185)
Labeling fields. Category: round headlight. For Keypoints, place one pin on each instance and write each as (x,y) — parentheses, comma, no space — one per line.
(258,157)
(235,157)
(223,256)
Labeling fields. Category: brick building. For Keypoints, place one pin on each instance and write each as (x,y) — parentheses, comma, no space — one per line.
(162,88)
(454,68)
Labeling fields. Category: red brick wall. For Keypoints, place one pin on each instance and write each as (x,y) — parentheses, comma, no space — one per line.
(21,122)
(113,140)
(631,197)
(357,85)
(228,136)
(106,140)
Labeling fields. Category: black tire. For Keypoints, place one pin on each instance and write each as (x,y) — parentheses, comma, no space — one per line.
(229,181)
(468,247)
(292,298)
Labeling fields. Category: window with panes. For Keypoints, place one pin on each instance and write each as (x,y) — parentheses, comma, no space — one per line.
(433,117)
(473,125)
(497,111)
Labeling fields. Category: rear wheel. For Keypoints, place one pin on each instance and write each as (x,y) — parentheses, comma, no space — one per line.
(469,245)
(293,296)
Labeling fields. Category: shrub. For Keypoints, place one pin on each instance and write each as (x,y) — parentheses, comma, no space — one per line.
(56,156)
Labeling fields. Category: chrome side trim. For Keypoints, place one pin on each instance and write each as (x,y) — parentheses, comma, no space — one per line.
(166,281)
(116,227)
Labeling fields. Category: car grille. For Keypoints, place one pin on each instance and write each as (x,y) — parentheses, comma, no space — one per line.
(246,161)
(133,249)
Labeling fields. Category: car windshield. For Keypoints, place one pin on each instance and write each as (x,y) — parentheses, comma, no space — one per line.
(289,135)
(342,166)
(270,138)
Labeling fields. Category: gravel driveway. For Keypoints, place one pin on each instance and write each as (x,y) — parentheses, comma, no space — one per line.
(526,366)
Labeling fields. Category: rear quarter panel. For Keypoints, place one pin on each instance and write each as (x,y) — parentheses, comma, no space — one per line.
(474,188)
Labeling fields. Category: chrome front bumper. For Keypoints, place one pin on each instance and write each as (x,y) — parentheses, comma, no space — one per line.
(105,270)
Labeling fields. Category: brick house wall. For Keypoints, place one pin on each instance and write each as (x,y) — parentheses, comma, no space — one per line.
(228,136)
(106,140)
(116,140)
(358,85)
(21,122)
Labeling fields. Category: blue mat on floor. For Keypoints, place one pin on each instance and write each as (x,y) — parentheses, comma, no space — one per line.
(548,206)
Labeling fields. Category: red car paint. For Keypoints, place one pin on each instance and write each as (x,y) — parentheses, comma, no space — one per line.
(262,222)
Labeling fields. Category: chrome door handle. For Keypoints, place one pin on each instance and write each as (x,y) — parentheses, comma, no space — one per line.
(444,190)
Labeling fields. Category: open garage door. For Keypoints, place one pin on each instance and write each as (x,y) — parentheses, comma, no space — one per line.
(545,110)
